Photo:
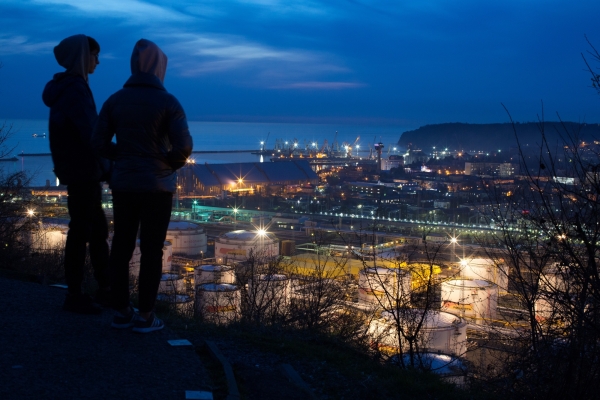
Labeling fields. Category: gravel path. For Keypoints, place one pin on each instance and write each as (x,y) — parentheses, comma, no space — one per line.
(51,354)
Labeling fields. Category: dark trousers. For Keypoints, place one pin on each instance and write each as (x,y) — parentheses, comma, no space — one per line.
(87,225)
(151,212)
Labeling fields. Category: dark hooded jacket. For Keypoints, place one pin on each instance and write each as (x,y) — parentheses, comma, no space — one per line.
(72,115)
(153,139)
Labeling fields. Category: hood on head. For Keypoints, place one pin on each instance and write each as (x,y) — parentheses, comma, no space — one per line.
(72,54)
(148,58)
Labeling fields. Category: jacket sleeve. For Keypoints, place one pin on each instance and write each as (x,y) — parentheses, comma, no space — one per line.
(179,136)
(103,133)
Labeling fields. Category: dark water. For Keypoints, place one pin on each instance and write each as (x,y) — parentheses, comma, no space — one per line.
(30,137)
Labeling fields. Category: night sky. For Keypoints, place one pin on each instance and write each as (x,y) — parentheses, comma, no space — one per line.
(406,63)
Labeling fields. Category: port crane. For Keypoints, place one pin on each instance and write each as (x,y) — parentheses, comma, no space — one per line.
(263,144)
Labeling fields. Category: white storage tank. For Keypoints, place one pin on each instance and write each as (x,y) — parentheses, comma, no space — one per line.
(474,298)
(182,303)
(384,286)
(440,331)
(218,302)
(214,274)
(167,257)
(171,282)
(48,237)
(486,269)
(269,293)
(187,238)
(310,289)
(551,290)
(236,245)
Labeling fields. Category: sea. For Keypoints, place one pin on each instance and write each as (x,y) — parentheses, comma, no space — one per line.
(27,147)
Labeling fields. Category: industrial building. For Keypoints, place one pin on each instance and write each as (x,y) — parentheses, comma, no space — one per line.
(491,169)
(244,178)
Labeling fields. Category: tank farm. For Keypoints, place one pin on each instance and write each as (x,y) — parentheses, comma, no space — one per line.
(253,274)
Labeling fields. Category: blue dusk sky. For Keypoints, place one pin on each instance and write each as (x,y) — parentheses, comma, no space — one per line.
(407,63)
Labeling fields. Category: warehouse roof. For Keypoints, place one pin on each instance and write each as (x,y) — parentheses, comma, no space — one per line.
(254,173)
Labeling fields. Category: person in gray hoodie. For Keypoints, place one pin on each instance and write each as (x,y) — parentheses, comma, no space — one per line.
(72,118)
(152,142)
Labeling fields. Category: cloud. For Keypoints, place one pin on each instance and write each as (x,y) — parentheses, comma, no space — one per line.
(289,6)
(270,67)
(134,10)
(197,54)
(234,49)
(22,45)
(320,85)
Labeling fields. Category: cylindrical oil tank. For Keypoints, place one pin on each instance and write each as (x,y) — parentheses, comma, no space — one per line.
(48,237)
(187,238)
(182,303)
(486,269)
(474,298)
(218,302)
(311,290)
(269,292)
(167,257)
(214,274)
(236,245)
(552,289)
(288,248)
(439,331)
(171,282)
(384,286)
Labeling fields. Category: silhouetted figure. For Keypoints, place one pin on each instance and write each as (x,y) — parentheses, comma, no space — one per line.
(153,141)
(72,119)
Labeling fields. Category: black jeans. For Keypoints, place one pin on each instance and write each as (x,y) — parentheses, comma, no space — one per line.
(87,225)
(151,212)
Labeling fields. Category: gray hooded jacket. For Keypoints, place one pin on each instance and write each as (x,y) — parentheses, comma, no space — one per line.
(152,136)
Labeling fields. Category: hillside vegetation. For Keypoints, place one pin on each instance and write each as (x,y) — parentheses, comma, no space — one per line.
(489,137)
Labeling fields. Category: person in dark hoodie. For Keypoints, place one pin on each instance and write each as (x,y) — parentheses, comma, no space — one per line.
(153,141)
(72,119)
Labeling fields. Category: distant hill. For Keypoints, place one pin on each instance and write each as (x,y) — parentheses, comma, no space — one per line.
(489,137)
